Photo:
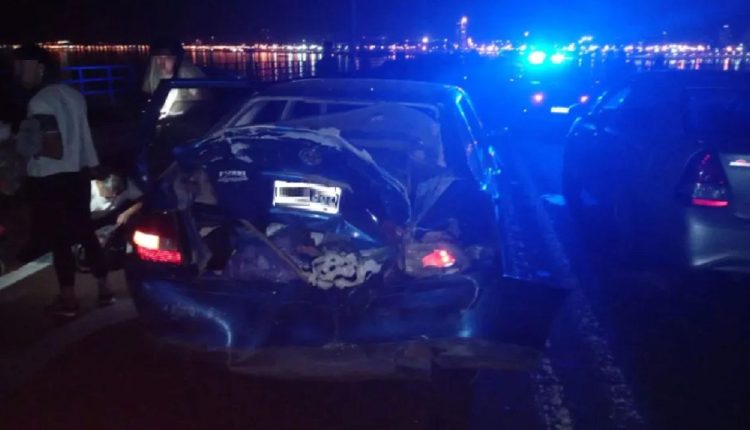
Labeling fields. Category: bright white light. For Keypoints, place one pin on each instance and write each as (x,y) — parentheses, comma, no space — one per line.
(560,110)
(557,58)
(145,240)
(425,40)
(537,57)
(464,20)
(526,33)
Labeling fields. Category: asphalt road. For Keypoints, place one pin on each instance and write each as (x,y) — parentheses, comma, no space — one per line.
(631,349)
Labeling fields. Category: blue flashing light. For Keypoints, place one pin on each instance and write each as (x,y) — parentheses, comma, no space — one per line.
(537,57)
(557,58)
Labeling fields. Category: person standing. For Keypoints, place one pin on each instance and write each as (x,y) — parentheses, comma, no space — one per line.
(167,61)
(56,140)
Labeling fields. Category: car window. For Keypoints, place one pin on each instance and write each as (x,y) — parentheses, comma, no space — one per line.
(263,112)
(332,108)
(616,99)
(300,109)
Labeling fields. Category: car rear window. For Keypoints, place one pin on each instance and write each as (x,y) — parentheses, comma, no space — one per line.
(302,109)
(717,112)
(265,112)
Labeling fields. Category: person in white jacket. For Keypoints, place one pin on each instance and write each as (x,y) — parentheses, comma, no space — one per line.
(56,140)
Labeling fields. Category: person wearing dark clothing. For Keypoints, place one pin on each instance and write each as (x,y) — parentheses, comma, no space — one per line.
(56,141)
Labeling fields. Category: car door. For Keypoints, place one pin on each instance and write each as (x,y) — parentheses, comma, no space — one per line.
(483,156)
(180,112)
(606,148)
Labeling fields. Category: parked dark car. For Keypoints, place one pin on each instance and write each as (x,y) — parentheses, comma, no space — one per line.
(663,160)
(337,228)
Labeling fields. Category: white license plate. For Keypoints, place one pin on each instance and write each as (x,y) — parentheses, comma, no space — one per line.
(306,197)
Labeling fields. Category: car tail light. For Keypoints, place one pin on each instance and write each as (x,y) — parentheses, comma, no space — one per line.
(537,98)
(156,241)
(426,259)
(705,183)
(584,99)
(440,258)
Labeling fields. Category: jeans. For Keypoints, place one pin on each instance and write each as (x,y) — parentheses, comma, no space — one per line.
(61,214)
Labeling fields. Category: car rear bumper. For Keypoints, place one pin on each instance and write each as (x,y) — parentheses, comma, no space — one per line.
(269,330)
(717,241)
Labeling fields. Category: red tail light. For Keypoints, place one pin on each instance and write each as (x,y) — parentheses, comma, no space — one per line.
(151,247)
(440,258)
(705,182)
(156,240)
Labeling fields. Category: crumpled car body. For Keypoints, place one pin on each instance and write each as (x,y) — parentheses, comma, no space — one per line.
(321,249)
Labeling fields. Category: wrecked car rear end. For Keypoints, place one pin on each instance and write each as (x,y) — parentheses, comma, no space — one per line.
(359,249)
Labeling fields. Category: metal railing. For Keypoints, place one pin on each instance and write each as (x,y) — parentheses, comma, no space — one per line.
(103,80)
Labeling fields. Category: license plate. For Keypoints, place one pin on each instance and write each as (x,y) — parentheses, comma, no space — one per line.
(308,197)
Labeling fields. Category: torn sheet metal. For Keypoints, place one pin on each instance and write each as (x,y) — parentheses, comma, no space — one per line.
(285,253)
(385,125)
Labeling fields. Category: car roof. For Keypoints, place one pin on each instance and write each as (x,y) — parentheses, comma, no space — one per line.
(365,89)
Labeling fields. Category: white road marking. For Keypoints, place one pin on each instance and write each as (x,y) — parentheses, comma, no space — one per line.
(550,398)
(25,271)
(623,412)
(549,393)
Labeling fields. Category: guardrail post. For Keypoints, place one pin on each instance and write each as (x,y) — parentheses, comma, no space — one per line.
(110,85)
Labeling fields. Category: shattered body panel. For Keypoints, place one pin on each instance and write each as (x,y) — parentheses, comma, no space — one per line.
(293,330)
(354,244)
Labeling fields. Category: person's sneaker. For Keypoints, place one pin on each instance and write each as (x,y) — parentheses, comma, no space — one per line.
(106,299)
(63,308)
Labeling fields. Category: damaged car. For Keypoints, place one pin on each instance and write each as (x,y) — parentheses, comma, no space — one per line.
(360,239)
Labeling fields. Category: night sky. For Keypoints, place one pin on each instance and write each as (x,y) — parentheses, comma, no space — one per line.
(292,20)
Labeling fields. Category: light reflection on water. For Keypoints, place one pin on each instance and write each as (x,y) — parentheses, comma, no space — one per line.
(282,64)
(263,65)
